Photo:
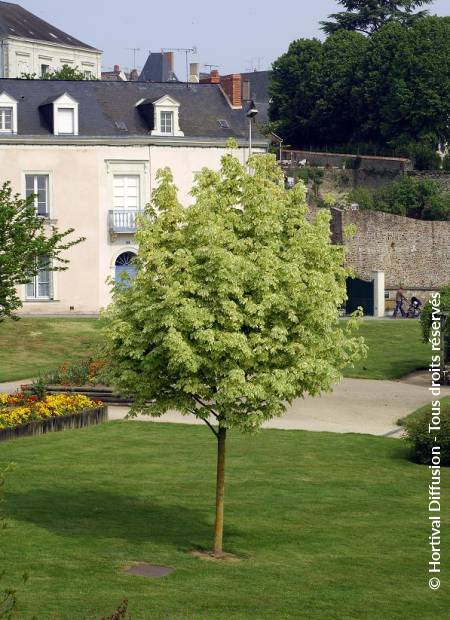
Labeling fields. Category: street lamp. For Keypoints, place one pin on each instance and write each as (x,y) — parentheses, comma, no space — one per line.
(252,112)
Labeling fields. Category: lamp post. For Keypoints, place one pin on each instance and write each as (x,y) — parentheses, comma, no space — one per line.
(252,112)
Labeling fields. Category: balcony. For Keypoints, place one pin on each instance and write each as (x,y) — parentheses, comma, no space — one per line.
(122,221)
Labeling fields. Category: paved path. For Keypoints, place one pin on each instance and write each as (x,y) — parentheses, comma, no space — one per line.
(354,406)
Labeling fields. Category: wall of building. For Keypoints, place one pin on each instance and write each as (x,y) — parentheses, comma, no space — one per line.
(412,253)
(22,56)
(81,182)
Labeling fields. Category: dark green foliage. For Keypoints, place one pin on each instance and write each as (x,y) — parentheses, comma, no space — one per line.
(426,316)
(27,244)
(384,94)
(446,163)
(369,15)
(422,440)
(419,198)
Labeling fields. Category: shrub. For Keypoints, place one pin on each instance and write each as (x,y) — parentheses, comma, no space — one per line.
(422,441)
(426,315)
(79,373)
(362,196)
(446,163)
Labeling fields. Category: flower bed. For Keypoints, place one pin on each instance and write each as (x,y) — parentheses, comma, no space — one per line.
(21,414)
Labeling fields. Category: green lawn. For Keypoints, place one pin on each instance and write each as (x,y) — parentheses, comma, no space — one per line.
(33,345)
(395,350)
(418,413)
(330,526)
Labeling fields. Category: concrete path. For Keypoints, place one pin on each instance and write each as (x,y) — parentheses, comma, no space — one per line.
(354,406)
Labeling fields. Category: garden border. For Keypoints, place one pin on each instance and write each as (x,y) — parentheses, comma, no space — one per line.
(87,417)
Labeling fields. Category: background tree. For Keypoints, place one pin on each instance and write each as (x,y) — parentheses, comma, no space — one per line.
(368,16)
(234,308)
(403,86)
(66,72)
(389,93)
(26,245)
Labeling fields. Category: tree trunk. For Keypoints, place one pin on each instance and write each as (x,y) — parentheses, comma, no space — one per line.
(220,489)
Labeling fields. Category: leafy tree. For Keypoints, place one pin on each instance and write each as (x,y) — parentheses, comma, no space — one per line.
(368,16)
(403,86)
(66,72)
(234,308)
(295,89)
(27,244)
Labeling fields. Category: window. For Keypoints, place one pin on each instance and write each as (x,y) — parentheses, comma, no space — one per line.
(126,191)
(66,121)
(6,119)
(44,70)
(38,184)
(167,122)
(40,286)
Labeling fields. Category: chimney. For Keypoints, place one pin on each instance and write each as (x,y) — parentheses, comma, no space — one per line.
(194,72)
(214,78)
(232,87)
(168,57)
(116,68)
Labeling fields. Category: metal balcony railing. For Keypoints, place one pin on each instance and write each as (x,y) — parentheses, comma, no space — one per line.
(122,220)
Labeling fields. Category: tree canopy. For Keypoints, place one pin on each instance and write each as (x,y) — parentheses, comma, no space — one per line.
(368,16)
(388,93)
(66,72)
(27,244)
(233,312)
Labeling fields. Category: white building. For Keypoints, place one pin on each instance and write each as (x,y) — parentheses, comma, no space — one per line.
(29,45)
(90,151)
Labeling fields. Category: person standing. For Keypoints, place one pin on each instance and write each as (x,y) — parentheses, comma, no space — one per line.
(399,300)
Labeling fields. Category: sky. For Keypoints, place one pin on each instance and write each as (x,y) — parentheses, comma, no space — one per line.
(236,35)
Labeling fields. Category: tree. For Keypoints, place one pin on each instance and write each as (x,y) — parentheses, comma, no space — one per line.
(234,308)
(389,92)
(368,16)
(403,86)
(66,72)
(27,244)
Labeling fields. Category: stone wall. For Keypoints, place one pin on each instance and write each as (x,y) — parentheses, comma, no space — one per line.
(412,253)
(442,177)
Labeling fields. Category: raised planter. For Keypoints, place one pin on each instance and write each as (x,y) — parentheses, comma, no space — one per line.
(58,423)
(103,393)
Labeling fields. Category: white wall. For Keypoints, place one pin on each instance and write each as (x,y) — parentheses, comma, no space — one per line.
(81,197)
(23,56)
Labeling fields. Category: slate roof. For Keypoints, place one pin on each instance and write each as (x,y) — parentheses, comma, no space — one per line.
(259,92)
(259,85)
(102,104)
(16,21)
(157,69)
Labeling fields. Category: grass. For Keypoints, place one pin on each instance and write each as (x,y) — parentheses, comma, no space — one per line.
(34,345)
(330,526)
(426,409)
(395,350)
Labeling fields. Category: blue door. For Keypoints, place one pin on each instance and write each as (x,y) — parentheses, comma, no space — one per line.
(124,265)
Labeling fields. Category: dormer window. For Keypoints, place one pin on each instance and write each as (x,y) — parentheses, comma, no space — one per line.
(6,119)
(61,113)
(8,114)
(166,117)
(66,121)
(167,122)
